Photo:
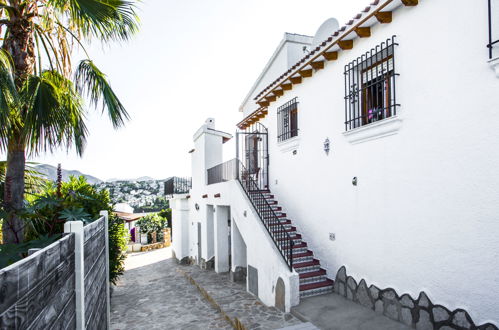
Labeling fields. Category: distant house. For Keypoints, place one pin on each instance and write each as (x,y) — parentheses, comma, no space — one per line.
(122,207)
(367,163)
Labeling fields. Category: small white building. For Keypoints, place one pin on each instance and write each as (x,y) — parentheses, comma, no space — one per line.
(367,163)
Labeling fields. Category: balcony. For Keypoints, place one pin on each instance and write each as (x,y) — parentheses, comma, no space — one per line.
(176,185)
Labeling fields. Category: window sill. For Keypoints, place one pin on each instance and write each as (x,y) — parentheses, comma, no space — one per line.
(289,144)
(494,64)
(379,129)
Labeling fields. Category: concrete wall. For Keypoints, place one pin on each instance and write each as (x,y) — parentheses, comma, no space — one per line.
(96,275)
(38,291)
(424,213)
(63,286)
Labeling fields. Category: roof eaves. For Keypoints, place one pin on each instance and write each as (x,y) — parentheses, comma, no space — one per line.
(288,37)
(375,6)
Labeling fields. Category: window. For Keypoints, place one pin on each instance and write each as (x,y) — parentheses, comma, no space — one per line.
(370,86)
(287,120)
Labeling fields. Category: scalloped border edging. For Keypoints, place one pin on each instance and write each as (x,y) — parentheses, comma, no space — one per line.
(418,313)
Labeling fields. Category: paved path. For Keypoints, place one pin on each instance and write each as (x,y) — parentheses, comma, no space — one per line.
(331,311)
(236,302)
(153,295)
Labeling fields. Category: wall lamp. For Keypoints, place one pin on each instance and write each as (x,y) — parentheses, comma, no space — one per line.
(327,146)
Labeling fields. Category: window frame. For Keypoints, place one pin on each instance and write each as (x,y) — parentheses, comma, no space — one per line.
(287,120)
(368,74)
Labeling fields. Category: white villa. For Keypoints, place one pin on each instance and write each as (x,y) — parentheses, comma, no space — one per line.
(367,164)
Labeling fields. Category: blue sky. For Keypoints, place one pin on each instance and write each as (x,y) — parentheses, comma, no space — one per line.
(191,60)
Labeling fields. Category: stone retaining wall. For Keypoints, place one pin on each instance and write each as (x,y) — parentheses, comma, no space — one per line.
(418,313)
(39,291)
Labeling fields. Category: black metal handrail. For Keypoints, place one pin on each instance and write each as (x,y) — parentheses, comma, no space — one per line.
(491,43)
(267,215)
(176,185)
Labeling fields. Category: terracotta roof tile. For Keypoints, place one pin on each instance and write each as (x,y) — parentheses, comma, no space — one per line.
(367,9)
(359,15)
(375,3)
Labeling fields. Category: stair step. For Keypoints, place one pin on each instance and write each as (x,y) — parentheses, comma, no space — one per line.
(282,222)
(265,191)
(313,274)
(312,286)
(303,254)
(303,257)
(313,277)
(278,229)
(302,245)
(314,262)
(293,237)
(308,266)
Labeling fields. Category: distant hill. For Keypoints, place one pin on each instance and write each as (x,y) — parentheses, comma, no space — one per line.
(51,173)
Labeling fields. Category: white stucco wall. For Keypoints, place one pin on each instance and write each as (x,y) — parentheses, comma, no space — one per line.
(251,243)
(261,252)
(288,52)
(424,213)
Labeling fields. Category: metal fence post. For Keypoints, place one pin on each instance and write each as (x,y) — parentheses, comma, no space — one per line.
(76,227)
(105,214)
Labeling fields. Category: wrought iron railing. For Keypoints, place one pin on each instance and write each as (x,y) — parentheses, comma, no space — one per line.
(492,42)
(234,169)
(176,185)
(287,120)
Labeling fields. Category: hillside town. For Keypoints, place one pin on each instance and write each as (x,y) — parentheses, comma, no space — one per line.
(142,196)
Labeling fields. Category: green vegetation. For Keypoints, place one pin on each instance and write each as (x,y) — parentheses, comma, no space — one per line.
(152,223)
(57,203)
(118,239)
(41,99)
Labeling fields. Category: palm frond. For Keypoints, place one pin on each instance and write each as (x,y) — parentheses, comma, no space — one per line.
(104,19)
(92,82)
(54,114)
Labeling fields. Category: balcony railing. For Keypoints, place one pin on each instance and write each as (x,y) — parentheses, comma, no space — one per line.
(223,172)
(492,42)
(176,185)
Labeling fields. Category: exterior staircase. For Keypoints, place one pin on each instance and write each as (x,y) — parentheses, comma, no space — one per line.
(313,279)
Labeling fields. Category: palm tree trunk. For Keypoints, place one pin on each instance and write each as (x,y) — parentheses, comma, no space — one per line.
(13,226)
(19,44)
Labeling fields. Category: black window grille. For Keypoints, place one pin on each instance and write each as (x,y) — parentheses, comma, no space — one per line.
(370,86)
(492,42)
(287,120)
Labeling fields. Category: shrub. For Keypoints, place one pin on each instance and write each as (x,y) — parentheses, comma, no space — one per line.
(71,201)
(118,239)
(167,214)
(152,223)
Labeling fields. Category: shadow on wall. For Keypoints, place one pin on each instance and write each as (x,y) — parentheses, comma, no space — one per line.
(418,313)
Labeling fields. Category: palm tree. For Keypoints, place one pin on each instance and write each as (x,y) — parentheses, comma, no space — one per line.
(41,96)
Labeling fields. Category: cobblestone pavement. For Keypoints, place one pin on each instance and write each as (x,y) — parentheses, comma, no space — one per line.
(235,301)
(153,295)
